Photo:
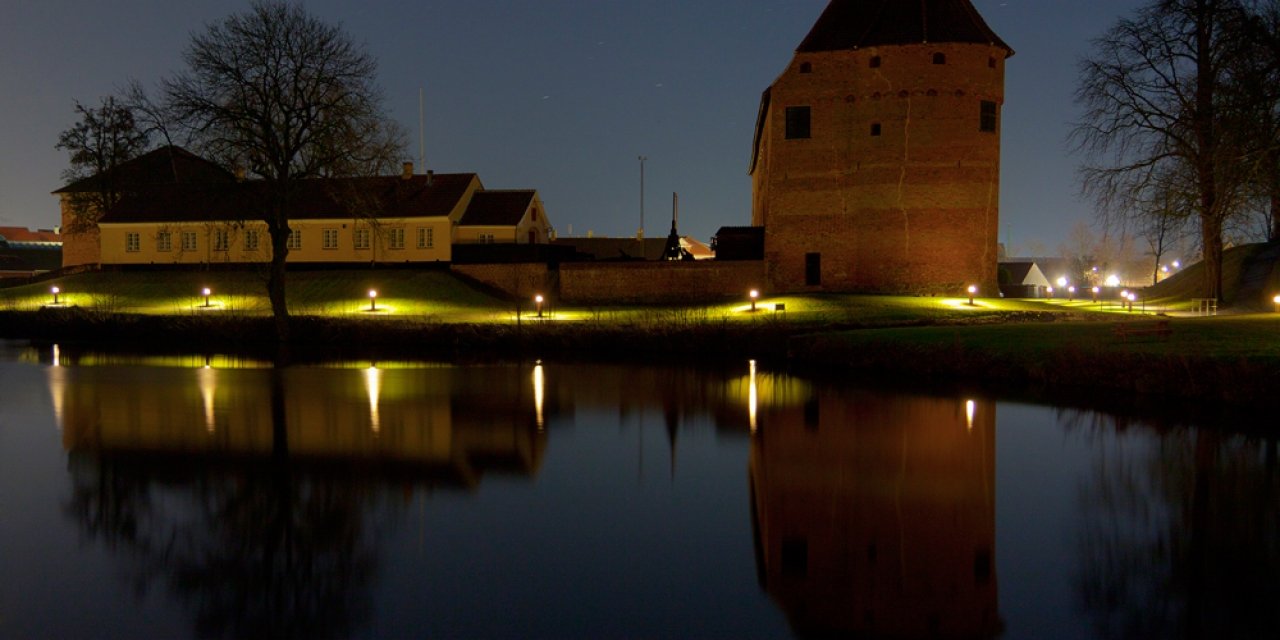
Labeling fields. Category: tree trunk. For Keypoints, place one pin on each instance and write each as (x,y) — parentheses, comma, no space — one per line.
(279,232)
(1211,238)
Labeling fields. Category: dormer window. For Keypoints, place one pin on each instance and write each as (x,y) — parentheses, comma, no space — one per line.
(939,58)
(806,67)
(875,62)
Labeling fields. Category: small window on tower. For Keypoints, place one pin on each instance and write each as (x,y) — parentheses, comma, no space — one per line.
(805,67)
(991,62)
(987,119)
(939,58)
(875,62)
(875,128)
(797,123)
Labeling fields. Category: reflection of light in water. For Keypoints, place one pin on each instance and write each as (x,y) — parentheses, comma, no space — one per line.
(752,398)
(969,408)
(538,392)
(207,378)
(373,384)
(57,385)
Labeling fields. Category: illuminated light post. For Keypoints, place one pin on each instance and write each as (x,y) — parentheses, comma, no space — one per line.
(754,294)
(1277,301)
(55,291)
(973,290)
(1177,265)
(373,300)
(1050,291)
(1096,290)
(970,408)
(1071,293)
(1132,297)
(206,292)
(537,300)
(1062,282)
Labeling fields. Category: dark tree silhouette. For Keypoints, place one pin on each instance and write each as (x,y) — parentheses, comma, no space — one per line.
(105,137)
(289,98)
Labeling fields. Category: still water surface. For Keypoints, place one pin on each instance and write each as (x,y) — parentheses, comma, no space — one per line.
(184,497)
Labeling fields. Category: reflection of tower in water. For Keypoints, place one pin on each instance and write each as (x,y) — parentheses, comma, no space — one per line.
(876,514)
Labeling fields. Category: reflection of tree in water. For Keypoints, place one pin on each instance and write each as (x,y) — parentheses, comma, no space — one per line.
(1181,535)
(256,548)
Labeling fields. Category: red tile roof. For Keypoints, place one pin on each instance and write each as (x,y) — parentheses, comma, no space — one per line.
(854,24)
(336,198)
(497,208)
(23,234)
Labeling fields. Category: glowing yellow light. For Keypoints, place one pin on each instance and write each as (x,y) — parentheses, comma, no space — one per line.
(1062,281)
(752,397)
(973,289)
(970,407)
(55,291)
(1113,281)
(373,385)
(537,300)
(1050,290)
(753,294)
(373,300)
(1177,265)
(207,379)
(538,391)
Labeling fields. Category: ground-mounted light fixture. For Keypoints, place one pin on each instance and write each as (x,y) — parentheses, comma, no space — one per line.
(1096,291)
(1277,301)
(973,290)
(55,291)
(754,294)
(1133,297)
(537,301)
(206,292)
(1050,290)
(1071,293)
(373,299)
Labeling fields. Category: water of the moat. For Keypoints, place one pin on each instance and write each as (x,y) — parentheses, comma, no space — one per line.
(184,496)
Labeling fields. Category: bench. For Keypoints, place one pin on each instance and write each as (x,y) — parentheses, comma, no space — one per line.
(1159,329)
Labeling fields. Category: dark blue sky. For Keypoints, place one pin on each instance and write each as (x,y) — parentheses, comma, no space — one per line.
(557,95)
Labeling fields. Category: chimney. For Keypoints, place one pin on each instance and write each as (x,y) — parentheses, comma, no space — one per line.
(408,171)
(430,176)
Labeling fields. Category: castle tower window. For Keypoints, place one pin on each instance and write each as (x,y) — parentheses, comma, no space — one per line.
(988,117)
(875,128)
(797,123)
(875,62)
(991,62)
(939,58)
(806,67)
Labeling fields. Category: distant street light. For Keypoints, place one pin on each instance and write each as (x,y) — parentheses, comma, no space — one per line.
(55,291)
(207,292)
(537,300)
(373,300)
(754,294)
(973,289)
(1050,290)
(1095,293)
(1071,293)
(1062,281)
(1277,301)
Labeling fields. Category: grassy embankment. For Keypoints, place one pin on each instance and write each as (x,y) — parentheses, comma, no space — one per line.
(430,312)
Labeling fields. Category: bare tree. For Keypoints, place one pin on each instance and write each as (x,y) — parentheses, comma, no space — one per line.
(106,137)
(289,98)
(1155,108)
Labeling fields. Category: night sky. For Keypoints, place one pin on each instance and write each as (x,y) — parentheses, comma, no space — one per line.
(557,95)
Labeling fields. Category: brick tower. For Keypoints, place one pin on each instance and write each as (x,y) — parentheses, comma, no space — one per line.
(876,163)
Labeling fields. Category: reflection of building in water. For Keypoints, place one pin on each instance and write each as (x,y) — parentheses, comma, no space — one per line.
(875,515)
(443,419)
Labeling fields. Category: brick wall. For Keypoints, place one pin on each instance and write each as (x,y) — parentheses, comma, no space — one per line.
(519,280)
(646,282)
(622,282)
(914,208)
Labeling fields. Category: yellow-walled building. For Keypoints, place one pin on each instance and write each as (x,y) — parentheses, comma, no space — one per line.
(174,208)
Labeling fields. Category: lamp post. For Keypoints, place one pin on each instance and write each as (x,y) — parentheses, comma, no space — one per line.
(1095,294)
(1050,291)
(207,292)
(537,301)
(973,290)
(754,294)
(55,291)
(1071,293)
(1277,301)
(373,300)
